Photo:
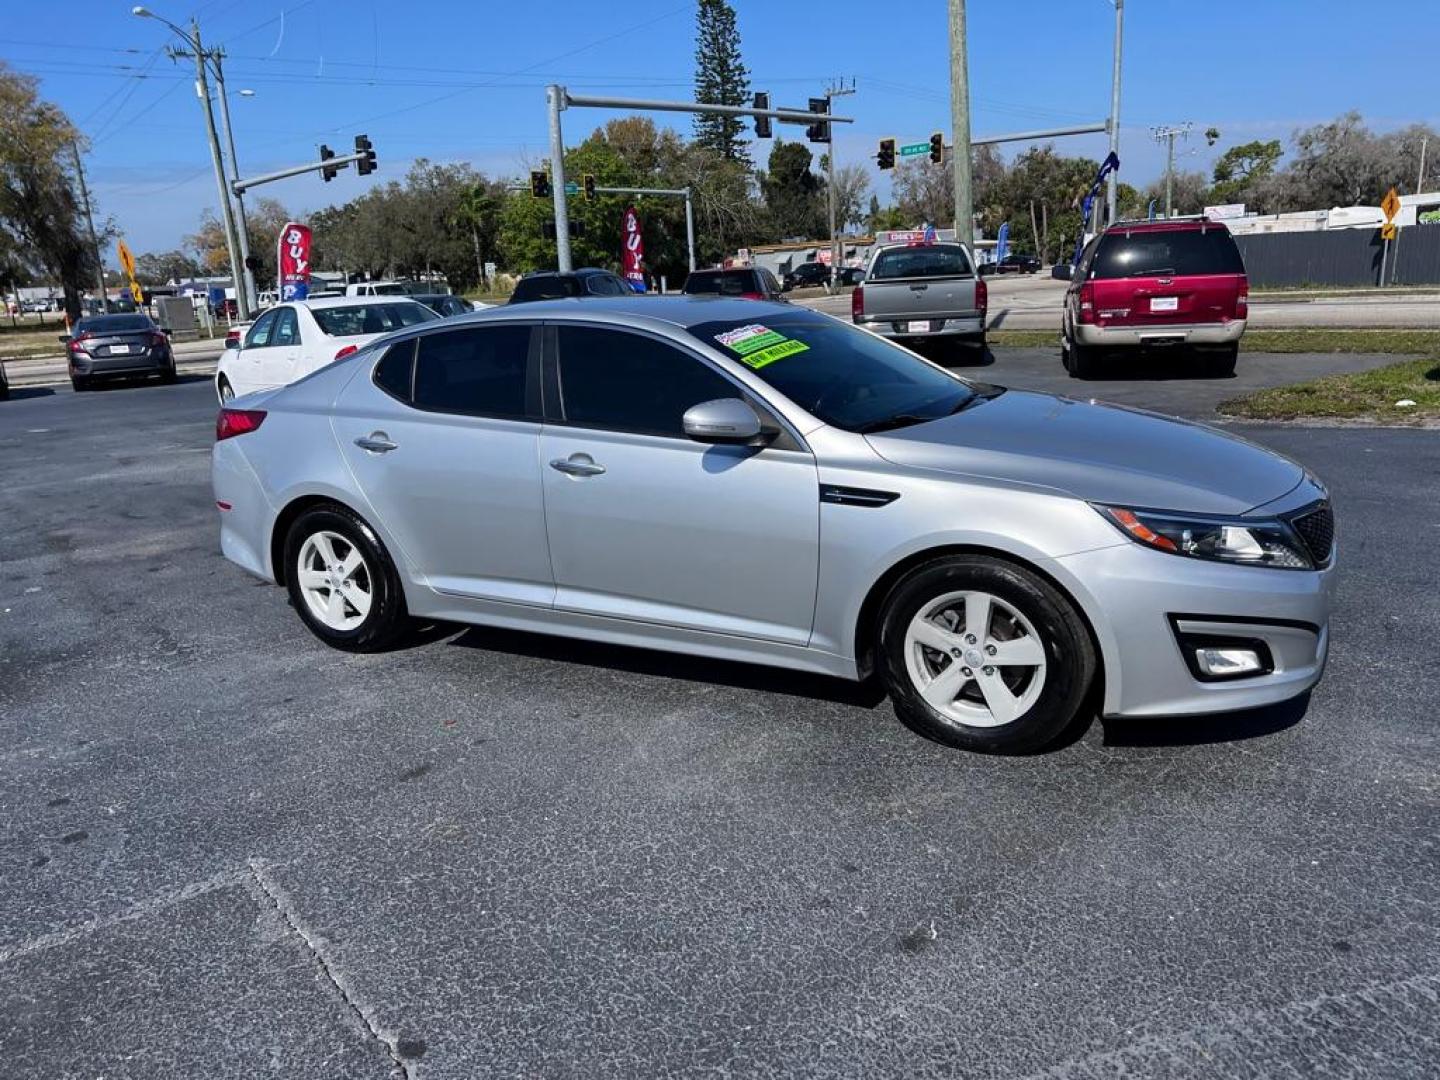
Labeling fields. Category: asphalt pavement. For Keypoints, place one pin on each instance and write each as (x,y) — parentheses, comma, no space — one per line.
(231,852)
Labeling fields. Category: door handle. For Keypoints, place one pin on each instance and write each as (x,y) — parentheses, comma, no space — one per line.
(577,465)
(377,442)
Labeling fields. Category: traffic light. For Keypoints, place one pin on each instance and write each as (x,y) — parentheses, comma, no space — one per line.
(540,184)
(366,165)
(937,148)
(762,123)
(589,184)
(885,159)
(820,130)
(329,171)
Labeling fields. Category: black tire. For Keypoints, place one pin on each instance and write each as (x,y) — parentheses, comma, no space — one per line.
(972,350)
(1065,362)
(79,383)
(224,391)
(1084,361)
(168,374)
(388,621)
(1221,365)
(1069,653)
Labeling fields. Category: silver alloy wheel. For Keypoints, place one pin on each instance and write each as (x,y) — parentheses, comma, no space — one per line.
(975,659)
(335,580)
(227,392)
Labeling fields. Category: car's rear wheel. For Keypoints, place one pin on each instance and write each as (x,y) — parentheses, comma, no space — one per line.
(168,375)
(1221,364)
(981,654)
(79,383)
(342,582)
(1084,361)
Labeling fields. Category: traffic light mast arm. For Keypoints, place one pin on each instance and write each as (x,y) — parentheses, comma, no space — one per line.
(339,161)
(794,116)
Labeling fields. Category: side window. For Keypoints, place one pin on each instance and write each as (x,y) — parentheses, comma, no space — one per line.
(259,335)
(628,382)
(606,285)
(287,328)
(478,372)
(392,373)
(1087,257)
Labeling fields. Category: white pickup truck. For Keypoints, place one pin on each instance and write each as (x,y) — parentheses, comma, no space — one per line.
(914,292)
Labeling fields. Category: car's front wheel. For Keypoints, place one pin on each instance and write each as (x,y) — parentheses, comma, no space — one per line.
(981,654)
(342,582)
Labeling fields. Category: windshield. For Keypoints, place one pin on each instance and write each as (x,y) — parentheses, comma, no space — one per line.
(1172,252)
(377,318)
(725,283)
(846,377)
(933,260)
(113,324)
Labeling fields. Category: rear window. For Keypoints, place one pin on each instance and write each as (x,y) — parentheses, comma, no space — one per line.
(377,318)
(1170,253)
(721,282)
(113,324)
(933,260)
(550,287)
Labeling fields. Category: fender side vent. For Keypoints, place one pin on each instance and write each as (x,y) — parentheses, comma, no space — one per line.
(849,496)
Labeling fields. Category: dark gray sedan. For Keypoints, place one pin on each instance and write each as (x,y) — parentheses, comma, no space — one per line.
(109,345)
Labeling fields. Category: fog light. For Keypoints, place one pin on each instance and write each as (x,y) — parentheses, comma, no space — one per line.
(1228,663)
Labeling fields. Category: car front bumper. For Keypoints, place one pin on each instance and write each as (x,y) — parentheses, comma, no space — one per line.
(971,326)
(1115,337)
(1148,608)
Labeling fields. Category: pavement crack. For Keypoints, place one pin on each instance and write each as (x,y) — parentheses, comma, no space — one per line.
(315,945)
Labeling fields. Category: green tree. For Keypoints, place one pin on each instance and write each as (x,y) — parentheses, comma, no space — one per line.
(163,267)
(794,204)
(720,79)
(39,207)
(1241,167)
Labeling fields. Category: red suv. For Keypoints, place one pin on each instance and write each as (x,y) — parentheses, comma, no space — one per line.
(1156,283)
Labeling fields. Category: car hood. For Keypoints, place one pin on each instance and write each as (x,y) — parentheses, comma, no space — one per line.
(1100,453)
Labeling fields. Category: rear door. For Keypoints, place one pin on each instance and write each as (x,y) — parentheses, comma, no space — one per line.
(443,439)
(1165,277)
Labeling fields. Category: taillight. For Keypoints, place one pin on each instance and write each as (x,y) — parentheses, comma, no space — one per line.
(857,302)
(232,339)
(74,344)
(159,339)
(752,296)
(346,351)
(1242,302)
(982,296)
(1087,302)
(233,422)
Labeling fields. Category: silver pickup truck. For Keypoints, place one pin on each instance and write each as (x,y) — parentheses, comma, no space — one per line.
(916,291)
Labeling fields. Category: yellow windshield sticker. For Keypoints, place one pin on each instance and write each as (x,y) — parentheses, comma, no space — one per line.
(761,357)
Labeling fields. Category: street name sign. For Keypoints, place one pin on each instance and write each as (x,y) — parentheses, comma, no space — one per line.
(911,149)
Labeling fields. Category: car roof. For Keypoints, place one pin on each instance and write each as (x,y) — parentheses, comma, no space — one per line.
(350,301)
(681,311)
(579,271)
(1187,225)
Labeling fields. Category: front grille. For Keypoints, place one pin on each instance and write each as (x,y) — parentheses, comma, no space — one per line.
(1317,528)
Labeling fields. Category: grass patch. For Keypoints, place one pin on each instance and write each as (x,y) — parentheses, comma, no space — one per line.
(1367,395)
(1403,342)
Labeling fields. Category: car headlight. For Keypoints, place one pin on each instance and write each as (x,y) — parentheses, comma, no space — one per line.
(1262,542)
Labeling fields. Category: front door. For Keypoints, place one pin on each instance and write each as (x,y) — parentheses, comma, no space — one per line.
(443,438)
(645,524)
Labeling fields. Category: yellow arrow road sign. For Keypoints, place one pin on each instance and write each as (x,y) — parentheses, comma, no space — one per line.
(1388,230)
(1390,204)
(126,259)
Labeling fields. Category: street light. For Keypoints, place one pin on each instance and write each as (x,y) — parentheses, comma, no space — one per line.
(202,88)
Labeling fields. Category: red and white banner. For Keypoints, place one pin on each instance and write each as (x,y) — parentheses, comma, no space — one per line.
(632,258)
(293,259)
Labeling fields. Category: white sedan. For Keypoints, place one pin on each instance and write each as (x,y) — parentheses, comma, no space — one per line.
(291,340)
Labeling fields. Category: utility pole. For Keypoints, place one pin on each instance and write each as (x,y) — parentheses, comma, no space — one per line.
(243,227)
(837,90)
(1167,135)
(1113,183)
(90,221)
(202,90)
(555,99)
(1420,182)
(960,121)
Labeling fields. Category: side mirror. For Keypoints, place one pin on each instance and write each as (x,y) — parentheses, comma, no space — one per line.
(725,420)
(1062,271)
(64,339)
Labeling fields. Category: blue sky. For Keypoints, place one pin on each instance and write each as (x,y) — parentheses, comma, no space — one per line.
(459,81)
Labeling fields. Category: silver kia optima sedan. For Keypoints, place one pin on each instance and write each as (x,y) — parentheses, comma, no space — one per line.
(757,482)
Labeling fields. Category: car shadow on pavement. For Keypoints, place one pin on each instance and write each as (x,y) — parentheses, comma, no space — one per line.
(1205,729)
(1155,366)
(653,662)
(18,393)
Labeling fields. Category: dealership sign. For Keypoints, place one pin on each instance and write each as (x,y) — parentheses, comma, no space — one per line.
(632,258)
(293,259)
